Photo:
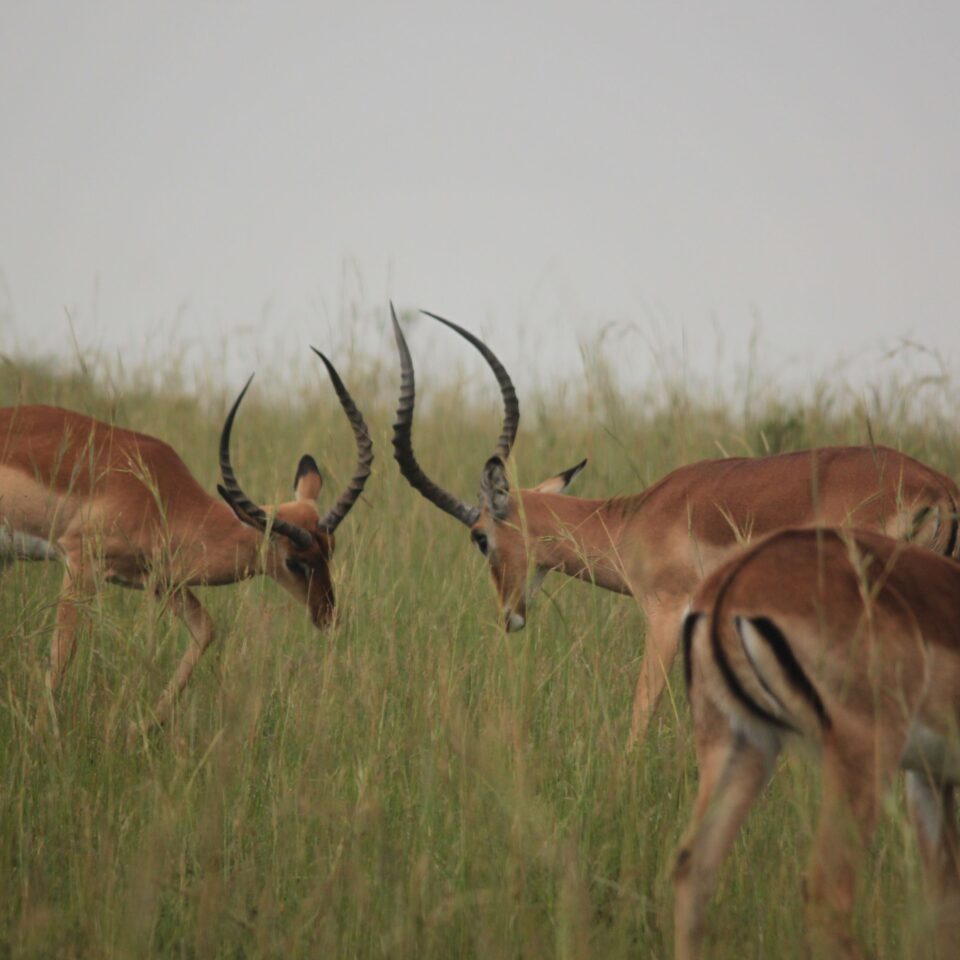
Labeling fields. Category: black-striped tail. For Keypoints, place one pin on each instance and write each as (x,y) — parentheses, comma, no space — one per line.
(791,670)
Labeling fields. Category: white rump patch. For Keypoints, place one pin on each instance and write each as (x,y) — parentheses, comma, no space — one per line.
(21,546)
(929,753)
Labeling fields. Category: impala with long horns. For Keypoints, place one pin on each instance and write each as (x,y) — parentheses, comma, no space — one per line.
(657,545)
(850,641)
(123,507)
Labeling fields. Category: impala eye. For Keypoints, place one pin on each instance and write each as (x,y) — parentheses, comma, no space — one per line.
(480,539)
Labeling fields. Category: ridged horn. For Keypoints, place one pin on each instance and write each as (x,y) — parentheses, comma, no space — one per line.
(351,494)
(511,406)
(241,502)
(403,440)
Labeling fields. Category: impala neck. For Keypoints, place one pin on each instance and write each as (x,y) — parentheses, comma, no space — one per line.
(579,537)
(221,549)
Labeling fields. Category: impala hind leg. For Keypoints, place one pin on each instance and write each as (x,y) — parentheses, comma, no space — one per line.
(733,771)
(187,608)
(933,811)
(660,650)
(859,766)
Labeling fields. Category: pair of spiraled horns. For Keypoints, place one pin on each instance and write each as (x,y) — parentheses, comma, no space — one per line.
(301,538)
(403,428)
(402,443)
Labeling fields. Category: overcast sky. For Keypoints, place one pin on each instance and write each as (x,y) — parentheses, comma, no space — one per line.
(190,170)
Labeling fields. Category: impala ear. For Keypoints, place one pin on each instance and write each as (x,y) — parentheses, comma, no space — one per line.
(241,515)
(308,482)
(495,488)
(561,481)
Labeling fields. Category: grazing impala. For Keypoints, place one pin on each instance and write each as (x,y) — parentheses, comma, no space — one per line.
(122,506)
(657,545)
(849,640)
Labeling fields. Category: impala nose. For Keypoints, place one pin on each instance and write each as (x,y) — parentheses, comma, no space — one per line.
(514,622)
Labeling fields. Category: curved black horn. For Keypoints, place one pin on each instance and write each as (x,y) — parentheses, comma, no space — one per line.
(511,406)
(258,518)
(403,440)
(364,451)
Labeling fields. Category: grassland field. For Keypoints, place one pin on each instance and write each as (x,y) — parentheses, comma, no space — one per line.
(411,783)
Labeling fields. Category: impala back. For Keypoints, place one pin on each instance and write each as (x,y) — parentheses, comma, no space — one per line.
(64,474)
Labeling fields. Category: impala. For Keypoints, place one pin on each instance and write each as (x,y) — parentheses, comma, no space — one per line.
(657,545)
(123,507)
(851,641)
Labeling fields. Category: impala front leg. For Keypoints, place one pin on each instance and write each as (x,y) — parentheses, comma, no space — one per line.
(75,594)
(197,621)
(660,650)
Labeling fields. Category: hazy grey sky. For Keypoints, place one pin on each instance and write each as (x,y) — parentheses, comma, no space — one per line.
(201,168)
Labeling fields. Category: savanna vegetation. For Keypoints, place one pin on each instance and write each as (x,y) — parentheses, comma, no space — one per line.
(412,782)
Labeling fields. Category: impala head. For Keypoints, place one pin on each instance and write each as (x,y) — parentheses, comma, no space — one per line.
(301,540)
(508,533)
(503,526)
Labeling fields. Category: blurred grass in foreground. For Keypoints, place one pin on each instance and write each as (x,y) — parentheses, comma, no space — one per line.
(411,783)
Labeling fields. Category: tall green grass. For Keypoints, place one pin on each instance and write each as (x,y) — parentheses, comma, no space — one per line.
(412,782)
